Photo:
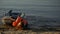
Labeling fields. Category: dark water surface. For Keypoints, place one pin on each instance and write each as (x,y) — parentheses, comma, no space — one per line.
(38,12)
(35,21)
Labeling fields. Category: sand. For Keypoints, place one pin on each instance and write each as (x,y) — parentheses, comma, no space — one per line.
(6,30)
(29,32)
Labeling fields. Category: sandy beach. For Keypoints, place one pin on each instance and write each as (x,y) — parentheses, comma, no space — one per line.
(29,32)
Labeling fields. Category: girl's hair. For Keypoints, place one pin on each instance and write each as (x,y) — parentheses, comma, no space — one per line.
(10,13)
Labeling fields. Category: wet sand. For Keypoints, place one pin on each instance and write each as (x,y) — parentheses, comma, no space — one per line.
(27,32)
(6,30)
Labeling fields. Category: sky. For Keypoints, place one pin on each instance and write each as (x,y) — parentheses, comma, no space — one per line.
(47,8)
